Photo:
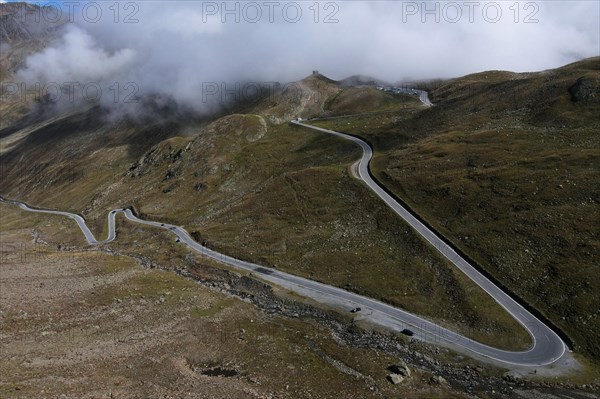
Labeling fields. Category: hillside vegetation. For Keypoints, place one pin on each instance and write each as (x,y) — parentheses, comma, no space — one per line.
(500,166)
(270,193)
(505,165)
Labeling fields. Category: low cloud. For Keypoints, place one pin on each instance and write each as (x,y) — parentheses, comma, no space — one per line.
(174,48)
(78,57)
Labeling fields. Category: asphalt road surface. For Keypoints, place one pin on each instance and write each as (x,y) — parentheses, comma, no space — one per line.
(547,346)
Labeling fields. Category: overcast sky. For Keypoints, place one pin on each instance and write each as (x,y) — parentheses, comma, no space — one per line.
(172,47)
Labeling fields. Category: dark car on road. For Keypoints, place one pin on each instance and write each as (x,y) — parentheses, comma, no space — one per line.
(408,332)
(355,310)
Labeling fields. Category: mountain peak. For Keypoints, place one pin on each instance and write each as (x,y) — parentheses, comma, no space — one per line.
(317,76)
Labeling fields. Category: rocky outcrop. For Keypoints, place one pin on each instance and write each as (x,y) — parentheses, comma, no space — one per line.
(398,372)
(395,379)
(438,379)
(401,369)
(585,90)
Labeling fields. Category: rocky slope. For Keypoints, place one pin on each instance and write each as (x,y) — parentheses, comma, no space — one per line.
(24,29)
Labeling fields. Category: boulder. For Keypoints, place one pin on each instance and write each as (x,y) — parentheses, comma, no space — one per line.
(400,368)
(395,378)
(438,379)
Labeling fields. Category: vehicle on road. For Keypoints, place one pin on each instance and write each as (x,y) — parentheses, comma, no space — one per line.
(547,346)
(355,310)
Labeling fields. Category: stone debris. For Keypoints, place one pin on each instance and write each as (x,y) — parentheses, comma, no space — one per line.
(395,378)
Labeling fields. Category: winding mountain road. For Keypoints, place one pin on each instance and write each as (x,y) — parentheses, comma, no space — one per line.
(547,346)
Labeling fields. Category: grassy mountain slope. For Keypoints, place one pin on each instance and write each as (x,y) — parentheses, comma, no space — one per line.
(505,166)
(266,192)
(499,166)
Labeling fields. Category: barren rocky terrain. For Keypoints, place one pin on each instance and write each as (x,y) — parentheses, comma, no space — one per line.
(90,322)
